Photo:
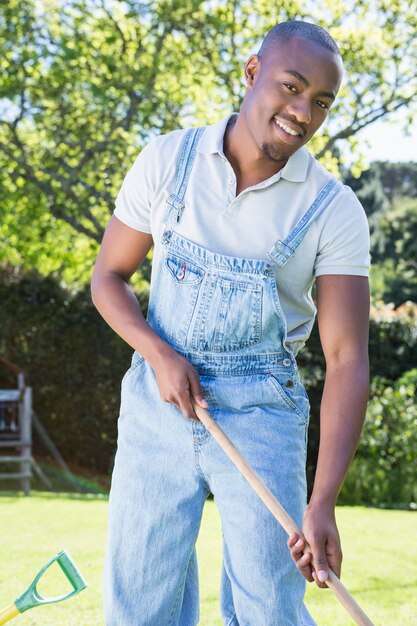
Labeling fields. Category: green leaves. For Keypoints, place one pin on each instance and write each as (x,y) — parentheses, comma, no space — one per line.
(86,83)
(384,469)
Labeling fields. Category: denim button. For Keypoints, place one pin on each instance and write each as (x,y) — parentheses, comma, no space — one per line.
(289,383)
(286,362)
(166,235)
(267,269)
(181,272)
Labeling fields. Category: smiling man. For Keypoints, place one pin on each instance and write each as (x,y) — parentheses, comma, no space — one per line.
(243,220)
(292,83)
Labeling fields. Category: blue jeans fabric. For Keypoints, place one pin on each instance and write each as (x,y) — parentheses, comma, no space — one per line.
(223,314)
(165,467)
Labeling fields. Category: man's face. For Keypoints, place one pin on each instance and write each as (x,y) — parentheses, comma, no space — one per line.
(290,91)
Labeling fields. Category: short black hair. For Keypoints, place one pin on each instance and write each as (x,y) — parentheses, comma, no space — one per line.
(287,30)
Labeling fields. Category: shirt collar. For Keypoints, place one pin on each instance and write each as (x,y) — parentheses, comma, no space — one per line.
(211,142)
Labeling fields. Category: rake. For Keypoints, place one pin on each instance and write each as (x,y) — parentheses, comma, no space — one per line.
(340,591)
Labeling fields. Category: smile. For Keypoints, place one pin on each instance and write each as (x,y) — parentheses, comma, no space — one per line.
(286,128)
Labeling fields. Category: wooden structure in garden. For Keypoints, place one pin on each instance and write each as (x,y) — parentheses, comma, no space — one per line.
(16,430)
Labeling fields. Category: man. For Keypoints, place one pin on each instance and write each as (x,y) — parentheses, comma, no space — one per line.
(243,219)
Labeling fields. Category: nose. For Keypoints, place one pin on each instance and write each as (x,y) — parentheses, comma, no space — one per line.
(300,110)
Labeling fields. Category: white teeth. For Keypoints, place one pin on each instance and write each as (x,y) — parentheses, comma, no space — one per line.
(286,128)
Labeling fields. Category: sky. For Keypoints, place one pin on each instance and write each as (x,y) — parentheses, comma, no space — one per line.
(388,142)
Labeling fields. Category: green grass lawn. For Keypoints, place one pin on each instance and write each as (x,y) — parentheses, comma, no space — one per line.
(379,569)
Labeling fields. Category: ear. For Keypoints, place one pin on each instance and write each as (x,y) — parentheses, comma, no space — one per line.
(252,68)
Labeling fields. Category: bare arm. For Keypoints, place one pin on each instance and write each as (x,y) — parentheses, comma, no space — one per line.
(343,319)
(122,251)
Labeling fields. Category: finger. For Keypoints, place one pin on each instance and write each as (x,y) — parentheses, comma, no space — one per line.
(334,558)
(337,567)
(297,553)
(320,562)
(197,392)
(304,566)
(318,583)
(298,548)
(186,406)
(300,544)
(302,559)
(292,539)
(321,585)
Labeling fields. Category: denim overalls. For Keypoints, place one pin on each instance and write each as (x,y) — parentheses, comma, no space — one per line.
(223,314)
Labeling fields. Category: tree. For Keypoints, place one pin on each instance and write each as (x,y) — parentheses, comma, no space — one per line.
(394,245)
(383,182)
(86,83)
(388,193)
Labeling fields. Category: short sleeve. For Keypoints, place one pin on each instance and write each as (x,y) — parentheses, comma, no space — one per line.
(344,239)
(134,200)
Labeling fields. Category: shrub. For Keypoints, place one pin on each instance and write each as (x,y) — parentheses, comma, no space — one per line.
(384,471)
(73,361)
(75,364)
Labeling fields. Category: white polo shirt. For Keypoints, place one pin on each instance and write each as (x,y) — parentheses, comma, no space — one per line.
(248,225)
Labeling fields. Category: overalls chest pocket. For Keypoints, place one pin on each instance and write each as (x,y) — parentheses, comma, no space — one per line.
(178,291)
(229,314)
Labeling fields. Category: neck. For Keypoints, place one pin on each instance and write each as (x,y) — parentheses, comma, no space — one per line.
(246,159)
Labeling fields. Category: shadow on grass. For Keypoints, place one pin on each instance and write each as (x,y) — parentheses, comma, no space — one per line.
(13,496)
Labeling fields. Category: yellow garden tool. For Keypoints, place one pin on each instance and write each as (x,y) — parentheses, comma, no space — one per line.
(31,597)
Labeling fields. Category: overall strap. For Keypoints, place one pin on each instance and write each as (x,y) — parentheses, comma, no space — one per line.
(282,251)
(175,202)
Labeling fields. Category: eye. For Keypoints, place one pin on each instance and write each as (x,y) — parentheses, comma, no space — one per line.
(290,87)
(322,104)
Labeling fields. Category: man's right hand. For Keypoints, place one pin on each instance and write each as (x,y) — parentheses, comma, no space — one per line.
(178,381)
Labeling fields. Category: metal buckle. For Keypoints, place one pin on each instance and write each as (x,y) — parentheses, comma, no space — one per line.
(176,204)
(282,247)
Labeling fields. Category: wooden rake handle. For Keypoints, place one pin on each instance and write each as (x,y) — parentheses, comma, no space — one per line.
(277,510)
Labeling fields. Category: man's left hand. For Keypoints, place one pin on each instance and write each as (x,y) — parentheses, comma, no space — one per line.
(320,531)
